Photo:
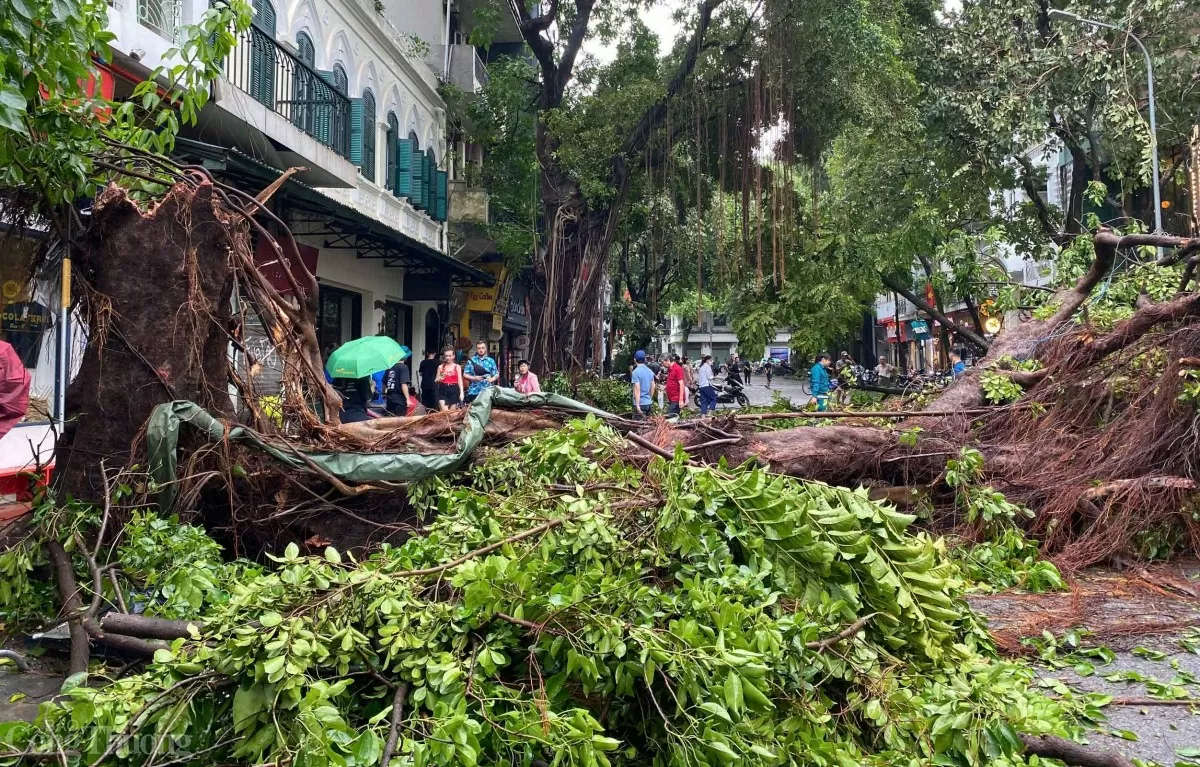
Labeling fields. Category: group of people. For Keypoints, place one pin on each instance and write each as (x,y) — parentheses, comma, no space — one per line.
(676,378)
(444,384)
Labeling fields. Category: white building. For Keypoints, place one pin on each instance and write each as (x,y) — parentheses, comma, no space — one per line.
(907,338)
(332,86)
(715,336)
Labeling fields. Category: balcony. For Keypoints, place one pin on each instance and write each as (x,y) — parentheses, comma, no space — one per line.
(274,107)
(273,76)
(162,16)
(467,71)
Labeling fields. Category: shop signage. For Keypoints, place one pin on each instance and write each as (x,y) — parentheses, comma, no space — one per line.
(270,265)
(920,328)
(893,332)
(24,325)
(484,299)
(497,322)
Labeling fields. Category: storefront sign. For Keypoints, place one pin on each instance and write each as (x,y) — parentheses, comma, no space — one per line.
(24,324)
(517,316)
(484,299)
(893,332)
(920,328)
(271,266)
(497,322)
(778,353)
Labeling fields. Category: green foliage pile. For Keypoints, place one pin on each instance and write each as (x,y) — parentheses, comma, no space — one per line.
(571,608)
(609,394)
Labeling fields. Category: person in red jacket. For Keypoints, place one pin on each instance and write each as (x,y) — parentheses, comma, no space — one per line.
(14,388)
(674,387)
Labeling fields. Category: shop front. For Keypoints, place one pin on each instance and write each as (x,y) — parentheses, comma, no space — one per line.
(515,343)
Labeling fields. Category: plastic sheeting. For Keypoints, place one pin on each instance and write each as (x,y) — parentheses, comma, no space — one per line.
(162,441)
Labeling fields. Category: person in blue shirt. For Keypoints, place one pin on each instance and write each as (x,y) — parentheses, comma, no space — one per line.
(642,380)
(957,366)
(819,380)
(480,371)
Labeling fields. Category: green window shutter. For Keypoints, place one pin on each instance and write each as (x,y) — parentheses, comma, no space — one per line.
(323,109)
(430,181)
(439,212)
(356,132)
(418,181)
(404,161)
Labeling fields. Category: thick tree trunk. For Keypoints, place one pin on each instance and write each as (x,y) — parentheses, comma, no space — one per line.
(157,286)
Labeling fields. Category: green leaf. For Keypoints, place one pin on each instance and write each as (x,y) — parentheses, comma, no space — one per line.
(291,551)
(716,708)
(270,619)
(12,109)
(247,702)
(1191,752)
(74,681)
(725,752)
(332,555)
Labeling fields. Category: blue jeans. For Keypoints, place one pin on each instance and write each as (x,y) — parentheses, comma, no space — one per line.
(708,400)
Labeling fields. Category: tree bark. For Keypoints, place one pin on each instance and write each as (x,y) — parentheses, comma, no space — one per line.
(157,285)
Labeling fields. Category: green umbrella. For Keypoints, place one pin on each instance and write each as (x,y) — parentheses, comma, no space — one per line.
(364,356)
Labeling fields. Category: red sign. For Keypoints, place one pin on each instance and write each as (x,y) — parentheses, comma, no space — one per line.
(271,267)
(929,297)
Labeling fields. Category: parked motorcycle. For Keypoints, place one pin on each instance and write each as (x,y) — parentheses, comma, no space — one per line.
(732,392)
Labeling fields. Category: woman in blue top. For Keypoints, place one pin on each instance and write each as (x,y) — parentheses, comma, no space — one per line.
(819,379)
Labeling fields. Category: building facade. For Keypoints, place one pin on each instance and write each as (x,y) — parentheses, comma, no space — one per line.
(715,336)
(332,87)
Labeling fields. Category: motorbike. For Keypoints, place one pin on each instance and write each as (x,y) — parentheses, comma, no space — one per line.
(728,393)
(732,392)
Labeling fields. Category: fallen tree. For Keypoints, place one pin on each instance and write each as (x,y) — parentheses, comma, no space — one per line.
(567,605)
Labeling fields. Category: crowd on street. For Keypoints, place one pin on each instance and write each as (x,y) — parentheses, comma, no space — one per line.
(374,379)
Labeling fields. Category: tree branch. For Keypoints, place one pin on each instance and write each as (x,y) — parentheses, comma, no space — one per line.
(636,142)
(1069,752)
(921,304)
(566,66)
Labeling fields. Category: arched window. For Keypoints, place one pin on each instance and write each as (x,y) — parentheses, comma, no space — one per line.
(340,81)
(262,54)
(304,85)
(368,129)
(389,150)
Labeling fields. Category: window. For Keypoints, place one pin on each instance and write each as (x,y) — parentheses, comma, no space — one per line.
(397,322)
(416,190)
(340,318)
(262,54)
(304,86)
(389,150)
(367,164)
(340,81)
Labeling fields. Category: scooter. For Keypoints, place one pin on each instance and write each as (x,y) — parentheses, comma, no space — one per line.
(732,392)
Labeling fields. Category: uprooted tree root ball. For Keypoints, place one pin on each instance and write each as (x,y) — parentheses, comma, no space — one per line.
(570,607)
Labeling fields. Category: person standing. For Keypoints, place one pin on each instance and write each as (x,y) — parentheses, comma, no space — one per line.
(819,380)
(481,371)
(708,395)
(527,380)
(427,372)
(356,397)
(957,366)
(689,380)
(770,372)
(642,383)
(450,381)
(747,369)
(397,382)
(674,387)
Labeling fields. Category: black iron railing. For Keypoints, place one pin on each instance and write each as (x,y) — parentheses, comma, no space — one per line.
(281,82)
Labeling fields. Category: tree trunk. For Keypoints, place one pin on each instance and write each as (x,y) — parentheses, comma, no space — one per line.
(157,286)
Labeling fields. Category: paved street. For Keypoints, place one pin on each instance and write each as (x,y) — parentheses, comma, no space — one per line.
(760,395)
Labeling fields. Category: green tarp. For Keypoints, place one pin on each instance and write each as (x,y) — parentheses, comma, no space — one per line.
(162,440)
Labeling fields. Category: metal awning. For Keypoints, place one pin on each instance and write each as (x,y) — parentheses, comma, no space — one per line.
(323,216)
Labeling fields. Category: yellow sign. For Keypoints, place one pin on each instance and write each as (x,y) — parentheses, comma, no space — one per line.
(484,299)
(11,290)
(497,322)
(992,325)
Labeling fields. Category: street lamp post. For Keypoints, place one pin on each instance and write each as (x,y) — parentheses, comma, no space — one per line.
(1158,227)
